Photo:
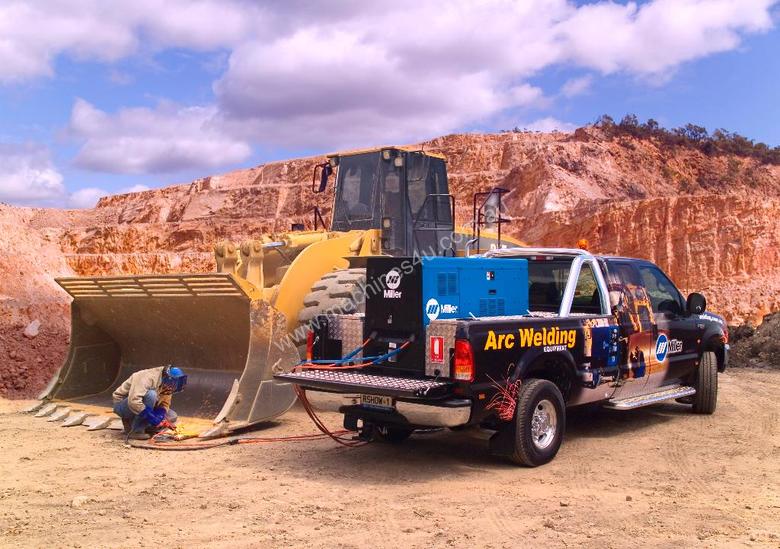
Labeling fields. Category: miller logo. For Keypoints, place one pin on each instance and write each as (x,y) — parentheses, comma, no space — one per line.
(661,347)
(432,309)
(393,280)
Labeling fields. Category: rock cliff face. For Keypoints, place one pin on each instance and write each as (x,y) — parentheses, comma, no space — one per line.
(711,222)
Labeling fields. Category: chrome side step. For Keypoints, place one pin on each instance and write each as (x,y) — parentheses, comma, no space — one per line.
(678,391)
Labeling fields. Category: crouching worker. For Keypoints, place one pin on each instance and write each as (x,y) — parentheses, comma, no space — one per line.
(143,401)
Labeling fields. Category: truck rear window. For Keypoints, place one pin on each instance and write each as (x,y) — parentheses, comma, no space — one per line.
(546,283)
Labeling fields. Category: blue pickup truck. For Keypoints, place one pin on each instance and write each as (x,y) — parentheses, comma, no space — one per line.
(508,341)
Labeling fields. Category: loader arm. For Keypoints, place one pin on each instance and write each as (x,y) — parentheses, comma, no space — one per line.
(316,260)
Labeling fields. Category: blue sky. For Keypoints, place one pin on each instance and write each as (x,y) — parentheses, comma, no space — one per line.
(99,98)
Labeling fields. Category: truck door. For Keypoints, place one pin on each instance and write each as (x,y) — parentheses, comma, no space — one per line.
(638,329)
(676,344)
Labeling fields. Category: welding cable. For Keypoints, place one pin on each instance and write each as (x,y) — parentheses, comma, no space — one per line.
(342,361)
(331,362)
(156,444)
(373,362)
(336,436)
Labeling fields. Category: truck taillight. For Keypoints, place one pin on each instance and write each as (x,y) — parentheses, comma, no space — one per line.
(464,361)
(310,346)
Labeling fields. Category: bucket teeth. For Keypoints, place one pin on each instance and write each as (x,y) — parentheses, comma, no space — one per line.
(47,410)
(96,423)
(59,414)
(34,407)
(75,418)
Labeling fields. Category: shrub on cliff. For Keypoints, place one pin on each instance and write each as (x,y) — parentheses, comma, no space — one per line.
(690,135)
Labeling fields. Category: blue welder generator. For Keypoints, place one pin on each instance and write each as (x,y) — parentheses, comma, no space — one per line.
(405,295)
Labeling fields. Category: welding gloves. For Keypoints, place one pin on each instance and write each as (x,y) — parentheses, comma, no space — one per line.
(153,416)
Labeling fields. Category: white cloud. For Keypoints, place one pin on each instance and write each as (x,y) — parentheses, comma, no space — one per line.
(576,86)
(364,80)
(86,198)
(134,189)
(35,33)
(89,196)
(549,124)
(27,176)
(161,140)
(660,35)
(356,73)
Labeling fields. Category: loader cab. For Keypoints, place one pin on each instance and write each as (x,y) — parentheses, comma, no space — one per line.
(402,193)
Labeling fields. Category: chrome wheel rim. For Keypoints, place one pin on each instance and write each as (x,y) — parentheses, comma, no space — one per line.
(544,422)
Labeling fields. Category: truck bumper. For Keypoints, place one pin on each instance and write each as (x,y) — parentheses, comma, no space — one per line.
(418,402)
(446,413)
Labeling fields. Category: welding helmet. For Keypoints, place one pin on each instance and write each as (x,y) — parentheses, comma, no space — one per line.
(174,378)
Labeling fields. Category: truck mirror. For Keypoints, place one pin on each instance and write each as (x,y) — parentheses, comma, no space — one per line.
(696,304)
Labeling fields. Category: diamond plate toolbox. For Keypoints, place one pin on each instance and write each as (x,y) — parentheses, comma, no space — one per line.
(439,342)
(349,330)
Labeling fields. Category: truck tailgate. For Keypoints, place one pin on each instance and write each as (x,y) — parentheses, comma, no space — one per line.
(358,382)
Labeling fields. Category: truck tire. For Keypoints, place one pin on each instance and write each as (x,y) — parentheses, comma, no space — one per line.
(338,292)
(706,384)
(540,421)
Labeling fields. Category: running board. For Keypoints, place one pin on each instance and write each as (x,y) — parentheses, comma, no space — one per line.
(672,393)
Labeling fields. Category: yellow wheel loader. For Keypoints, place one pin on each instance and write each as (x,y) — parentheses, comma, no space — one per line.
(231,330)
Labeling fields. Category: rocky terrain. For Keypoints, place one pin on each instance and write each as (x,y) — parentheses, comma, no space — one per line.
(758,346)
(666,478)
(712,222)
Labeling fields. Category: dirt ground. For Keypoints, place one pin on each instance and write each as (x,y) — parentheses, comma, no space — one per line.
(656,476)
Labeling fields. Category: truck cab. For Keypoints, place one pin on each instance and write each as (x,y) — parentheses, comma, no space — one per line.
(508,341)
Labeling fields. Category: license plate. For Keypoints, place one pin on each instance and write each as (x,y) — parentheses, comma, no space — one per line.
(376,401)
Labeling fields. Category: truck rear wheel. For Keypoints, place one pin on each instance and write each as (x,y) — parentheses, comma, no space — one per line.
(540,421)
(338,292)
(706,384)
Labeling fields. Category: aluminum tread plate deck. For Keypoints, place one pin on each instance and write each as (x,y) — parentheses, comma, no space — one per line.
(358,382)
(668,393)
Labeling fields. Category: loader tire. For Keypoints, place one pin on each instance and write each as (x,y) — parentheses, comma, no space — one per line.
(706,383)
(338,292)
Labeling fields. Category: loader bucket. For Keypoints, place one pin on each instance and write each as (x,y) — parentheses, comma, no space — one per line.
(228,342)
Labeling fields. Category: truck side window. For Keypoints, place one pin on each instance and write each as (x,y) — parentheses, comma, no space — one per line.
(587,299)
(624,274)
(664,296)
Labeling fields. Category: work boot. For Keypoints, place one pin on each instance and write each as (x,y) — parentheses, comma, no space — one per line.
(127,424)
(139,435)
